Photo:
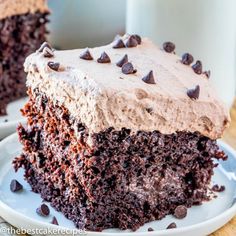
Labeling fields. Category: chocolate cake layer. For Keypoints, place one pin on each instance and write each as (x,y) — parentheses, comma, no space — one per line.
(20,35)
(123,180)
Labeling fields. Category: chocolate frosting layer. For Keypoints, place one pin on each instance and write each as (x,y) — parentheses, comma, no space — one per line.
(10,8)
(101,96)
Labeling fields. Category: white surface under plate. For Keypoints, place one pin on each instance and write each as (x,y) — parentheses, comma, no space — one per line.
(19,208)
(9,122)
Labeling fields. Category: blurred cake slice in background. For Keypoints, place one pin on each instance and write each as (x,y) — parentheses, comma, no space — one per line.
(22,30)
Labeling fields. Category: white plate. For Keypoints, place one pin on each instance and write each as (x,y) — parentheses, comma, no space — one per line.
(9,122)
(19,208)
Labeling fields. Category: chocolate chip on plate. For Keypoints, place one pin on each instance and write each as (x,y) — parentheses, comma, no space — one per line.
(122,61)
(138,38)
(169,47)
(54,65)
(15,186)
(180,212)
(43,45)
(194,93)
(150,229)
(128,68)
(43,210)
(131,42)
(207,73)
(217,188)
(197,67)
(171,226)
(118,43)
(104,58)
(187,59)
(54,221)
(149,78)
(86,55)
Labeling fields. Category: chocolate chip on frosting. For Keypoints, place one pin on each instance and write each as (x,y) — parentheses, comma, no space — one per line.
(47,52)
(131,42)
(122,61)
(197,67)
(86,55)
(118,43)
(207,73)
(138,38)
(149,110)
(43,45)
(104,58)
(169,47)
(187,59)
(194,93)
(128,68)
(149,78)
(54,65)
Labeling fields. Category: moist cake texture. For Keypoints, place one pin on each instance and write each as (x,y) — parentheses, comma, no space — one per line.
(22,25)
(113,146)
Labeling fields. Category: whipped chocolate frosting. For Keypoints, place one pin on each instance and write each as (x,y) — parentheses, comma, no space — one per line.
(101,96)
(10,8)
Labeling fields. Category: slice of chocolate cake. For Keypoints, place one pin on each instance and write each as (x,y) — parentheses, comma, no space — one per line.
(22,30)
(119,135)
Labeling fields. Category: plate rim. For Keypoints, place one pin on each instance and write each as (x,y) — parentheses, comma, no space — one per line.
(229,213)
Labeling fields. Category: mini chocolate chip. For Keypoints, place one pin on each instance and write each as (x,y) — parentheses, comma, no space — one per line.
(118,43)
(207,73)
(180,212)
(128,68)
(171,226)
(6,120)
(104,58)
(197,67)
(43,45)
(149,78)
(54,221)
(86,55)
(138,38)
(194,93)
(47,52)
(15,186)
(131,42)
(150,229)
(149,110)
(217,188)
(187,59)
(169,47)
(122,61)
(43,210)
(54,65)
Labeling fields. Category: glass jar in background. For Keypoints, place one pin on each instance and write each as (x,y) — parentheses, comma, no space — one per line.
(205,28)
(85,23)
